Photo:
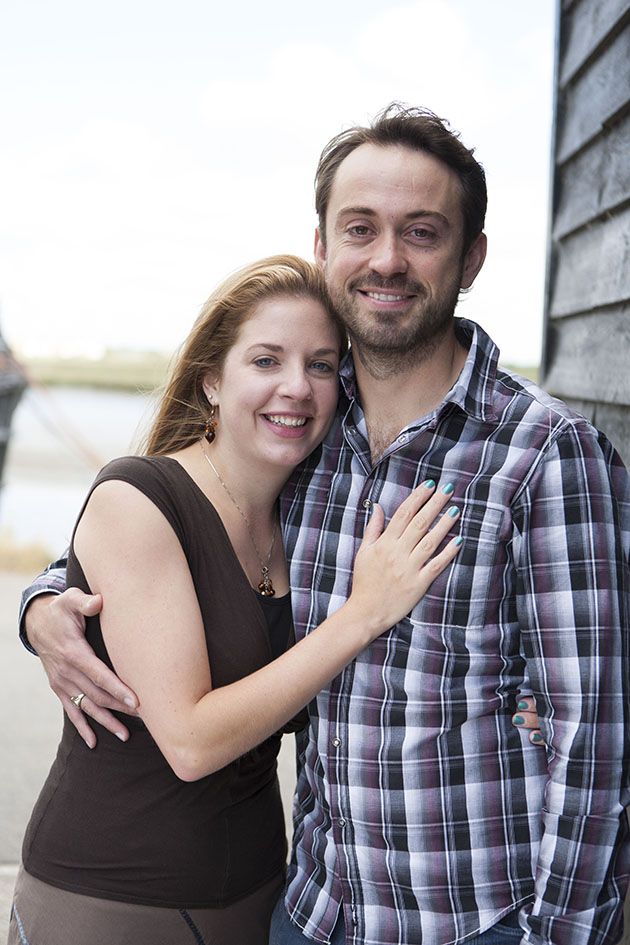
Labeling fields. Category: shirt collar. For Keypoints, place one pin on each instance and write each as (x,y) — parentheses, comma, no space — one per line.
(474,388)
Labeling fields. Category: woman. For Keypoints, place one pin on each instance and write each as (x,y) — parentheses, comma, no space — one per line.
(179,836)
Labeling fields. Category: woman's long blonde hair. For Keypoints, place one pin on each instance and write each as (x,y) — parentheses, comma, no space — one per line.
(183,407)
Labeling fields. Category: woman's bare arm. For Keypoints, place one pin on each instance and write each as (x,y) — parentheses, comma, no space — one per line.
(154,632)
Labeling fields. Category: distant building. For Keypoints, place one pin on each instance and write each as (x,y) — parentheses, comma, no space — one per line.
(12,383)
(586,344)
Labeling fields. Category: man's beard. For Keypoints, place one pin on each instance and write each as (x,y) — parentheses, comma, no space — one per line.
(383,344)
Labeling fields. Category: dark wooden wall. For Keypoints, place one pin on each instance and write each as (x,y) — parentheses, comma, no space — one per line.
(586,343)
(586,347)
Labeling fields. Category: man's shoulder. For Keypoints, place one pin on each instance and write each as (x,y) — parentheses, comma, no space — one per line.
(527,396)
(562,431)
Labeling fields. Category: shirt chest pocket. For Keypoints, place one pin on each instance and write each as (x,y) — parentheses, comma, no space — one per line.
(469,592)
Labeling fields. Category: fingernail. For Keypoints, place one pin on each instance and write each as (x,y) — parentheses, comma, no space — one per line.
(459,540)
(448,488)
(518,720)
(522,705)
(130,703)
(429,484)
(123,738)
(453,511)
(536,737)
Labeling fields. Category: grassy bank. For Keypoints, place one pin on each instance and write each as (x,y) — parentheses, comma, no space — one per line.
(142,371)
(30,558)
(531,373)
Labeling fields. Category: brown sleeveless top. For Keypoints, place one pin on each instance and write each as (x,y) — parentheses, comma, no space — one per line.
(115,822)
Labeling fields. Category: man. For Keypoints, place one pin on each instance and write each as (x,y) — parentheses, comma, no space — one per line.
(421,813)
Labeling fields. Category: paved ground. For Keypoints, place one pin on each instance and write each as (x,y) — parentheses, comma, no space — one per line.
(28,736)
(31,725)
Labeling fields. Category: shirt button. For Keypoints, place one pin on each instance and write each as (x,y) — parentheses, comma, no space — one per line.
(336,742)
(367,504)
(342,822)
(402,438)
(352,431)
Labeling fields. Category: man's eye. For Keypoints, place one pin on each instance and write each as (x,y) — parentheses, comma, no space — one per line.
(359,230)
(421,233)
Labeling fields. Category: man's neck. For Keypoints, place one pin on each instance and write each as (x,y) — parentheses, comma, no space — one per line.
(391,399)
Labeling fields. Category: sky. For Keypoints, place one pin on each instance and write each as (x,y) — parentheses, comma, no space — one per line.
(150,147)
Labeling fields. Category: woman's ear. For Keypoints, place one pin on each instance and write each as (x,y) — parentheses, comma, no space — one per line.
(210,385)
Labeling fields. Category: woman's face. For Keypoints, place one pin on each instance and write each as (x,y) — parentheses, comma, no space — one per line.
(277,391)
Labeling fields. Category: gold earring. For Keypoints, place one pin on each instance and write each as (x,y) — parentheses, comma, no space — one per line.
(211,425)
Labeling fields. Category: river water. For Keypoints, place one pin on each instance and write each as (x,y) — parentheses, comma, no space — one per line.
(60,438)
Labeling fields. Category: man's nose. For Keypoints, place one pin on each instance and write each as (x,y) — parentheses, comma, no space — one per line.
(388,255)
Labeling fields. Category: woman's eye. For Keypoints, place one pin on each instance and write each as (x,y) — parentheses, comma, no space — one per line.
(264,362)
(322,367)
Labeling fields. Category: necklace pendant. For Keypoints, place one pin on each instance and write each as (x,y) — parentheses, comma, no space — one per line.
(265,587)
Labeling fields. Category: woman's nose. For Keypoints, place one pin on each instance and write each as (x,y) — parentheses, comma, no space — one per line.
(296,384)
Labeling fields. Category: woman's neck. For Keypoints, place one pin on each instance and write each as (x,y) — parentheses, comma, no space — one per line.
(245,501)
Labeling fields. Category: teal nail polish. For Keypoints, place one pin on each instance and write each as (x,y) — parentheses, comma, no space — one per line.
(453,511)
(448,488)
(429,484)
(536,737)
(522,705)
(518,720)
(459,540)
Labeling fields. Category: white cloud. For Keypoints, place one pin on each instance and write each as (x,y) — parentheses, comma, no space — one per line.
(120,211)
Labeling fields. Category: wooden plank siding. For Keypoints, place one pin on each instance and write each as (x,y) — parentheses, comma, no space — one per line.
(586,345)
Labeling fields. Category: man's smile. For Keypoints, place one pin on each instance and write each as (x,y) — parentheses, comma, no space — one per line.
(385,296)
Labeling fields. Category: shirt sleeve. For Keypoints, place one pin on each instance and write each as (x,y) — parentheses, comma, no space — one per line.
(51,581)
(571,558)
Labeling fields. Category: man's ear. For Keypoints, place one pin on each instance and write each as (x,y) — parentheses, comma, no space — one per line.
(320,250)
(474,260)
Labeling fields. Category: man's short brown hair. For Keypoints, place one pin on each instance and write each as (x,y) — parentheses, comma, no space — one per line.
(420,130)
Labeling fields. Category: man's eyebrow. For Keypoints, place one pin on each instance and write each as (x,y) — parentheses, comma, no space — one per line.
(412,215)
(363,211)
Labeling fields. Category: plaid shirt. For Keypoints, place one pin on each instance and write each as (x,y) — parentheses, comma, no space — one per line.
(420,809)
(419,806)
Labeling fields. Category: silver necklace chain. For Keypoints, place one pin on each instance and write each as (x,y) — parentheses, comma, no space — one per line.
(265,587)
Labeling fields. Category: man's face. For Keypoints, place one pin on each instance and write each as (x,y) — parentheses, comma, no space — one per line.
(394,259)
